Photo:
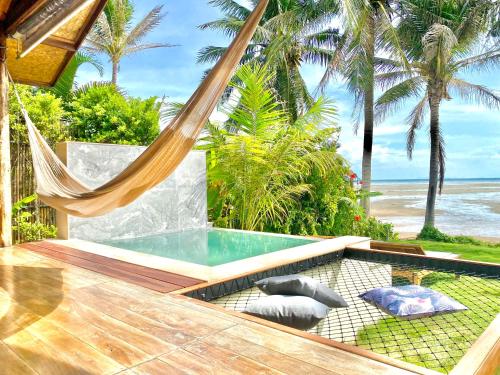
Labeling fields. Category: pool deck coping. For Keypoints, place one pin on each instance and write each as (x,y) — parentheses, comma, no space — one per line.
(224,271)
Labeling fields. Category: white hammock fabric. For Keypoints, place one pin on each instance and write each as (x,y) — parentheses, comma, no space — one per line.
(57,187)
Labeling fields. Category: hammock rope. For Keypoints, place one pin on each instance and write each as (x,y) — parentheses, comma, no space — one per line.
(57,187)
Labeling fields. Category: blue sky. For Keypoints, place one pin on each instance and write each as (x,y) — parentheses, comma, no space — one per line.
(472,133)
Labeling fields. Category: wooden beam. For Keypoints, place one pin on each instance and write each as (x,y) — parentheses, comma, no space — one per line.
(19,11)
(5,192)
(483,358)
(60,43)
(4,8)
(42,31)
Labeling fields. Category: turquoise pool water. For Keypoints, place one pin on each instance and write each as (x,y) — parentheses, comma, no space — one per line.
(208,247)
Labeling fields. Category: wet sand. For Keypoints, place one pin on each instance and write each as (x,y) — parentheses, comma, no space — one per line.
(463,208)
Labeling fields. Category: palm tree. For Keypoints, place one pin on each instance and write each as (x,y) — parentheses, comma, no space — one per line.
(438,37)
(368,29)
(115,36)
(290,33)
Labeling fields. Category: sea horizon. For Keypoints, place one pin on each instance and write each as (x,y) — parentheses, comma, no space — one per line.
(425,180)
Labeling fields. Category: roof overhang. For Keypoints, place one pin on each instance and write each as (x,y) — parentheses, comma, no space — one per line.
(43,36)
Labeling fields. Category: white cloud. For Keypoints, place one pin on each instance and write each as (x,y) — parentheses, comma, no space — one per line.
(390,129)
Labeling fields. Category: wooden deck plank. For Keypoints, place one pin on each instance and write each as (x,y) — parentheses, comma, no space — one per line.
(160,330)
(225,358)
(316,354)
(13,256)
(169,277)
(194,364)
(155,367)
(270,358)
(190,321)
(114,327)
(42,358)
(107,270)
(147,277)
(80,353)
(11,364)
(79,325)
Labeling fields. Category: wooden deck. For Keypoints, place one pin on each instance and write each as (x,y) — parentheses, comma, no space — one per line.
(56,318)
(161,281)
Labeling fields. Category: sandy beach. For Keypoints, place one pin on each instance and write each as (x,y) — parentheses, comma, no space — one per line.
(465,207)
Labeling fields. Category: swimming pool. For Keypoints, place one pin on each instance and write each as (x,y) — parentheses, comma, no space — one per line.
(209,247)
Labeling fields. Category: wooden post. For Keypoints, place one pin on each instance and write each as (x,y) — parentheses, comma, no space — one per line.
(5,189)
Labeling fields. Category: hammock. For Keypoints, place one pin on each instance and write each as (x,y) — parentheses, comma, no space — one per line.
(57,187)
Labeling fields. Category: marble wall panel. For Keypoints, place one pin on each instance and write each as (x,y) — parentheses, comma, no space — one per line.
(178,203)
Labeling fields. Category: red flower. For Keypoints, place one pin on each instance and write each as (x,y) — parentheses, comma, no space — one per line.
(357,218)
(353,176)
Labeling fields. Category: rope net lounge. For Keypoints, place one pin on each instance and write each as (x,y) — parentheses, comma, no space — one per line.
(437,343)
(58,188)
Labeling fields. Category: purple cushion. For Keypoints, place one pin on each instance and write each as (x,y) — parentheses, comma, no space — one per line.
(411,301)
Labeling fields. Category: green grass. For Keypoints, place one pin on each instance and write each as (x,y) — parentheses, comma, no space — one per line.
(481,253)
(437,342)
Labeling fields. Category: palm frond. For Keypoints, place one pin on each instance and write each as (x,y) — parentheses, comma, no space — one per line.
(384,64)
(141,47)
(231,8)
(170,109)
(415,120)
(442,160)
(391,100)
(319,56)
(66,81)
(145,25)
(83,89)
(477,94)
(328,38)
(335,66)
(387,80)
(485,61)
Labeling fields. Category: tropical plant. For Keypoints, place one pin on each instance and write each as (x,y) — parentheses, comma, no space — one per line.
(102,113)
(260,159)
(368,30)
(291,32)
(66,82)
(115,35)
(27,223)
(45,110)
(438,37)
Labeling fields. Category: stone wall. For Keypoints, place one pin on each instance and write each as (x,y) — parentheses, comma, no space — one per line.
(178,203)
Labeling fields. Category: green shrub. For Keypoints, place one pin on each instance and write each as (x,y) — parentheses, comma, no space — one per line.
(429,233)
(351,220)
(45,110)
(33,230)
(102,114)
(27,225)
(433,234)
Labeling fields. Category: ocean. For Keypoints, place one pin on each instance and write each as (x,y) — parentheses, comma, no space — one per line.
(466,207)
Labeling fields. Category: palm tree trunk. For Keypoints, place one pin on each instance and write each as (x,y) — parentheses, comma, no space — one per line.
(114,77)
(434,102)
(366,167)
